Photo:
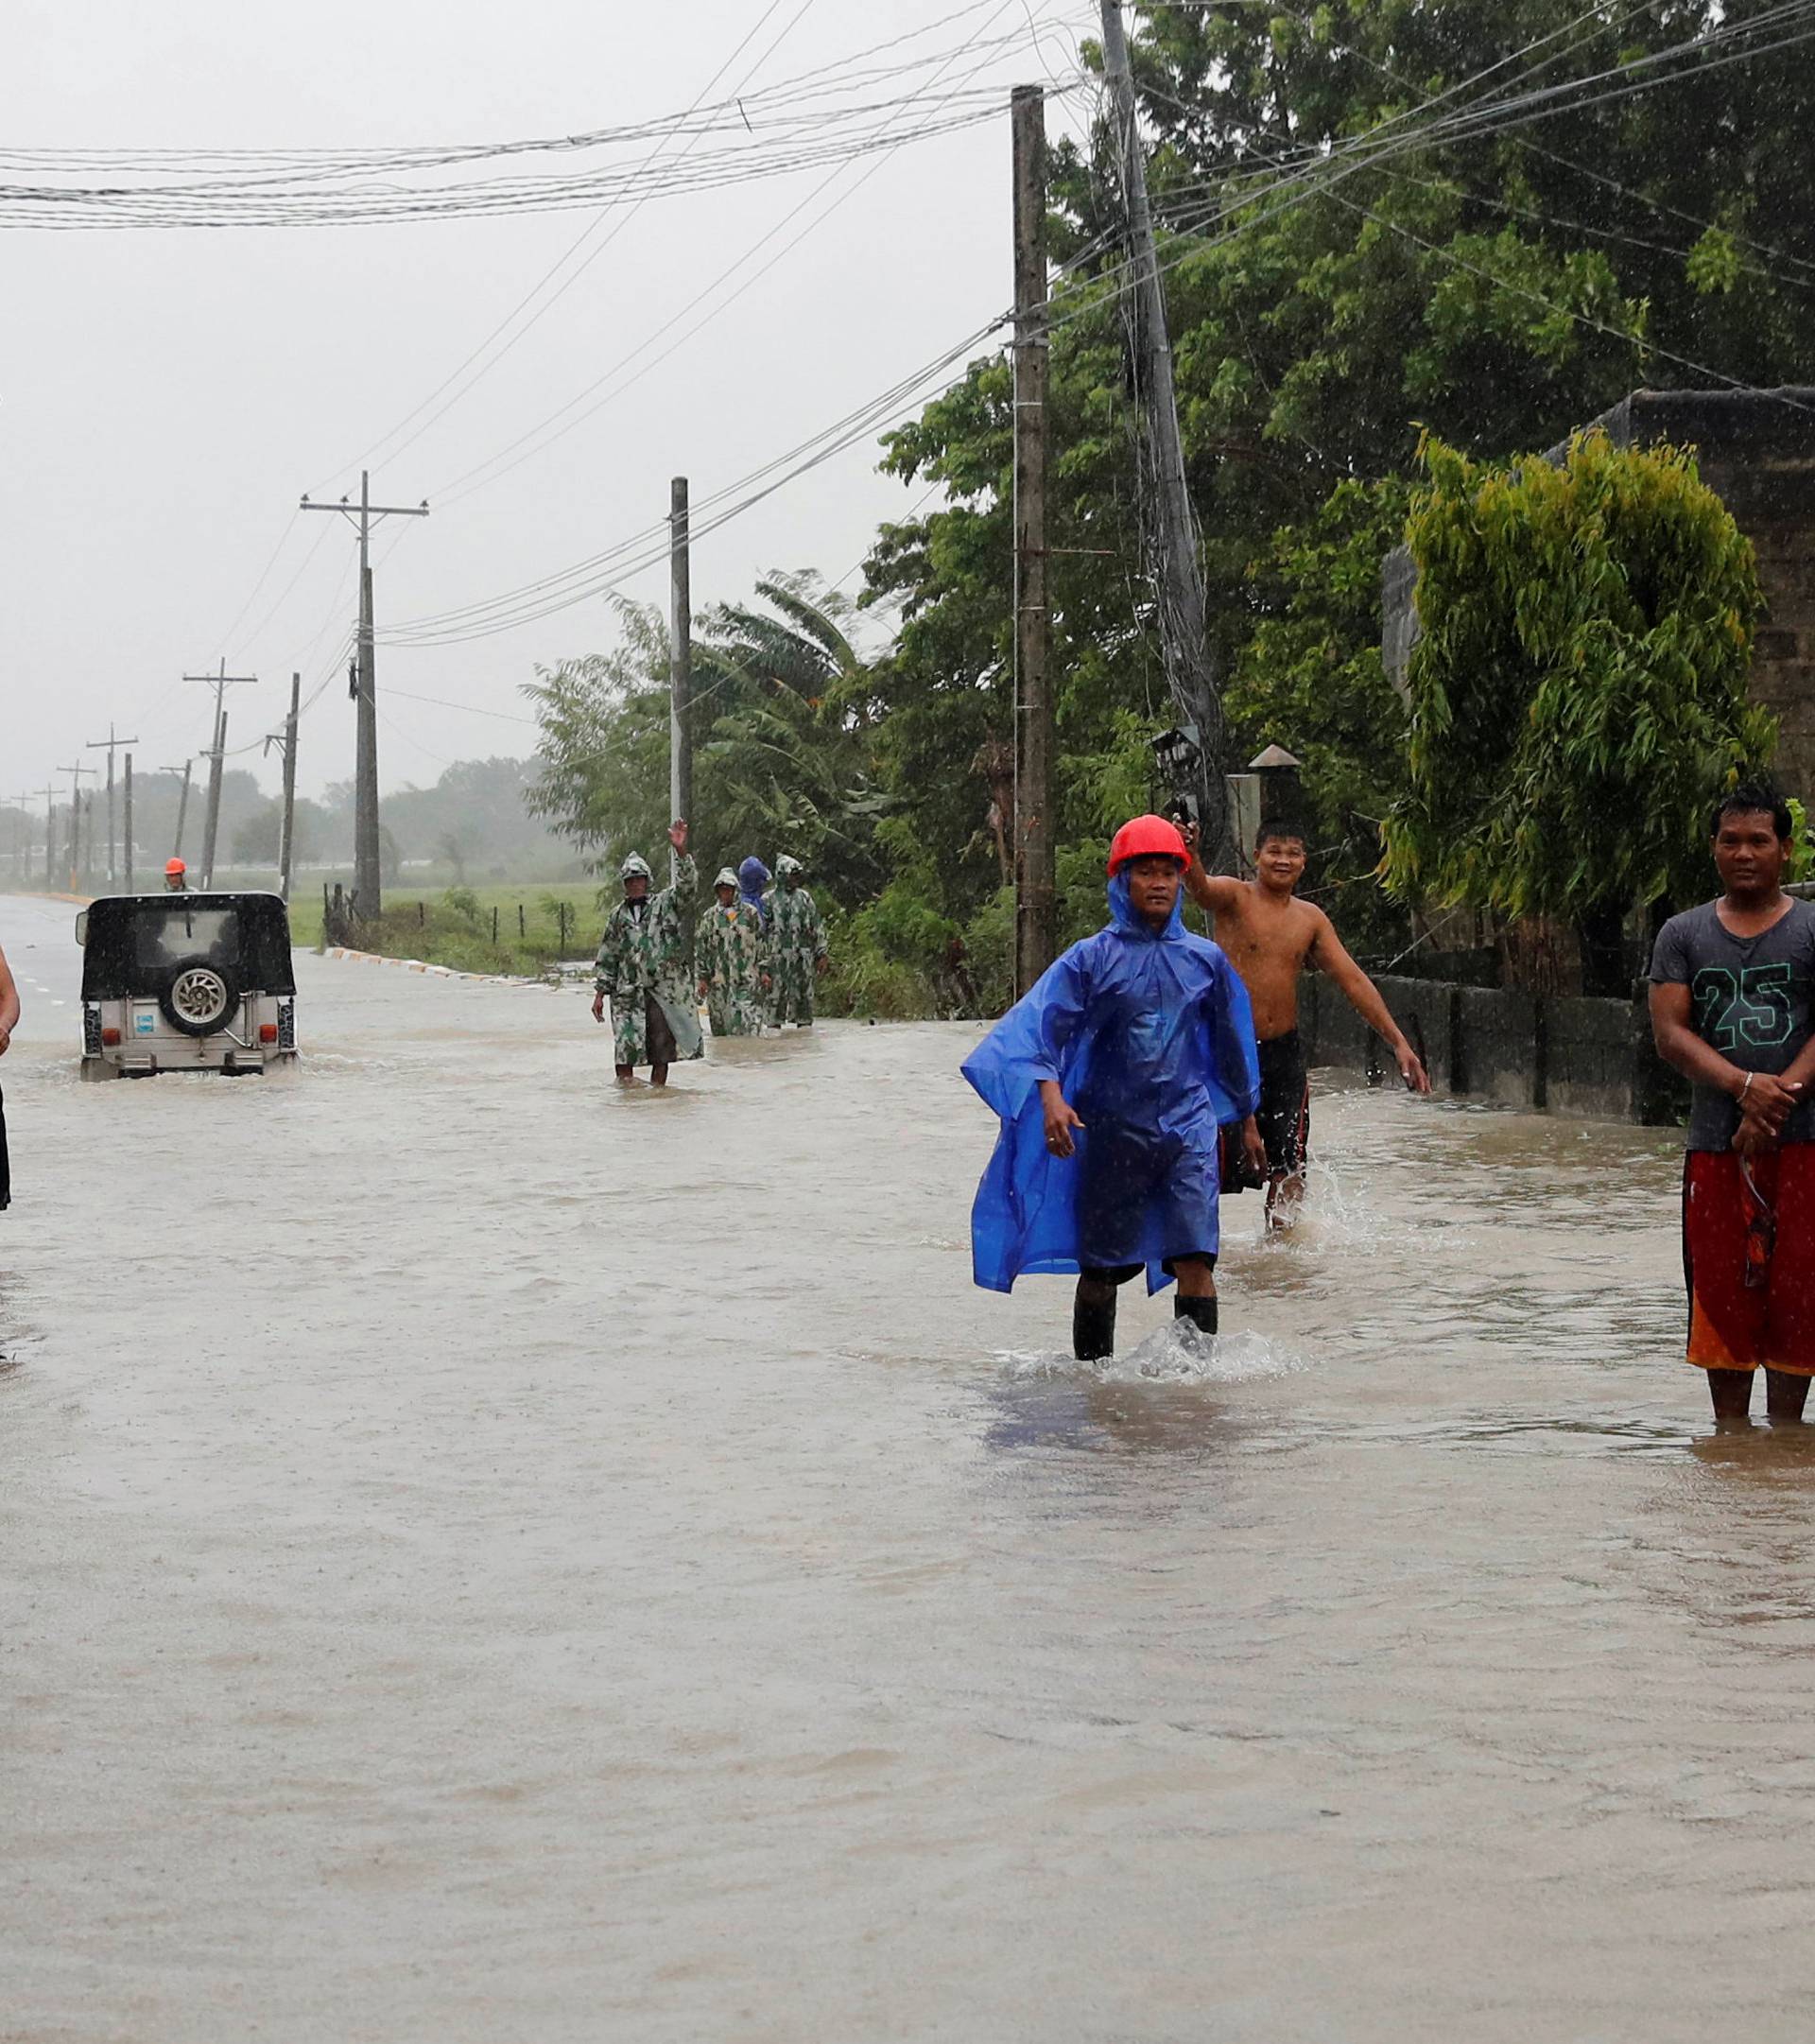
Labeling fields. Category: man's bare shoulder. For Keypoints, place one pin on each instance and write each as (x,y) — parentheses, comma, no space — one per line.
(1265,919)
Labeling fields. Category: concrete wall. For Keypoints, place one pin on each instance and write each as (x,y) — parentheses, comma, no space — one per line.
(1590,1060)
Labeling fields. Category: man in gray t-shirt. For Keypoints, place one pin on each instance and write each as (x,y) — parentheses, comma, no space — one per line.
(1733,1007)
(1751,999)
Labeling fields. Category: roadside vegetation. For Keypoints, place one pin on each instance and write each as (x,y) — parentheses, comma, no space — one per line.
(517,930)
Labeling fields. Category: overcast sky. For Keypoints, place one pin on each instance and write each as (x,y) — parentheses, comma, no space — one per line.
(167,396)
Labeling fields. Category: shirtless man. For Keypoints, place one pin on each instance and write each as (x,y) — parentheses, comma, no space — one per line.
(1270,937)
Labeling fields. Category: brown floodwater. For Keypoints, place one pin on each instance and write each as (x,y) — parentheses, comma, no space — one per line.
(485,1557)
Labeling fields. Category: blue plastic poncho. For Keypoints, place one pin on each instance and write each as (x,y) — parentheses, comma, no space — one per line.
(753,877)
(1148,1031)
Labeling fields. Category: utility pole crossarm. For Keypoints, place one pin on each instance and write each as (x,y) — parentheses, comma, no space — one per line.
(373,511)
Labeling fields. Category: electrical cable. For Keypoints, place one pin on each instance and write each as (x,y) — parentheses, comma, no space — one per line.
(463,484)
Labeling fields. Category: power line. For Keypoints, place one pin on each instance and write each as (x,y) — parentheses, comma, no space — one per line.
(457,389)
(454,491)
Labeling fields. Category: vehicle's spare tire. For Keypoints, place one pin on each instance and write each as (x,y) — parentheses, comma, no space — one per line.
(198,997)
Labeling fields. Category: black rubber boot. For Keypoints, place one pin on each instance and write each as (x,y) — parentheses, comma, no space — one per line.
(1201,1313)
(1093,1328)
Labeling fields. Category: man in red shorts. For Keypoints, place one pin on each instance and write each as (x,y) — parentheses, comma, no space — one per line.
(1733,991)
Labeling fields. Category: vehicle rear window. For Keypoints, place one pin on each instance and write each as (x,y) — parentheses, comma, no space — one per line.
(162,934)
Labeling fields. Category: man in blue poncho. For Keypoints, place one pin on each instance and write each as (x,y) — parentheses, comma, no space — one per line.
(1112,1076)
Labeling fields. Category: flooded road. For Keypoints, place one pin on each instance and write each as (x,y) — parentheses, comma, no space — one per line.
(486,1557)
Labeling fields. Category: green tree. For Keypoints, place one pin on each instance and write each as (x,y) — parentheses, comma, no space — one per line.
(1497,284)
(785,712)
(255,841)
(603,779)
(1578,691)
(1312,676)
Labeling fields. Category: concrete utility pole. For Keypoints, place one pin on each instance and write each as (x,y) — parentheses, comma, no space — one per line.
(211,815)
(1034,916)
(680,655)
(75,775)
(1179,577)
(127,831)
(286,828)
(182,804)
(367,882)
(215,756)
(109,745)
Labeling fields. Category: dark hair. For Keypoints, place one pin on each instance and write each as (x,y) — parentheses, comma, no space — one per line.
(1280,829)
(1753,798)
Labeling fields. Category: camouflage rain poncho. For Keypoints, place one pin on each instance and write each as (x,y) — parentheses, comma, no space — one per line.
(796,944)
(729,954)
(644,955)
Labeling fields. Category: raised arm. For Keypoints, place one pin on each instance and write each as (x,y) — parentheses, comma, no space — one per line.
(1330,955)
(1212,890)
(684,873)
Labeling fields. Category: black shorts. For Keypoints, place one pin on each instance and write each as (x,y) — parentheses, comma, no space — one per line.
(6,1175)
(1284,1114)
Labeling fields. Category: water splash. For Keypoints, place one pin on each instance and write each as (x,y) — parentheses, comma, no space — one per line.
(1177,1354)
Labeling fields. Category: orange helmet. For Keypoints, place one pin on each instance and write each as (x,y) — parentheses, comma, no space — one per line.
(172,867)
(1146,837)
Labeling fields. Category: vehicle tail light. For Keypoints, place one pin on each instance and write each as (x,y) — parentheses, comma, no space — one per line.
(267,1033)
(110,1037)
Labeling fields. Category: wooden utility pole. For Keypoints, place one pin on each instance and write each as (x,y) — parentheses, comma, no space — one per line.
(215,756)
(50,833)
(182,804)
(1167,502)
(286,827)
(109,745)
(1034,916)
(368,885)
(126,834)
(679,656)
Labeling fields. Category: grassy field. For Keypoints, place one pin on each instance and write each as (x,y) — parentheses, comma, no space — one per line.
(454,925)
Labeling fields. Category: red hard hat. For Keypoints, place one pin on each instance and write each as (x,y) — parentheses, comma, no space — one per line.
(174,865)
(1146,837)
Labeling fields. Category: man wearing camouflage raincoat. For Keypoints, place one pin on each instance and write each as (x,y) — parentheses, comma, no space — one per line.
(644,969)
(730,964)
(796,944)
